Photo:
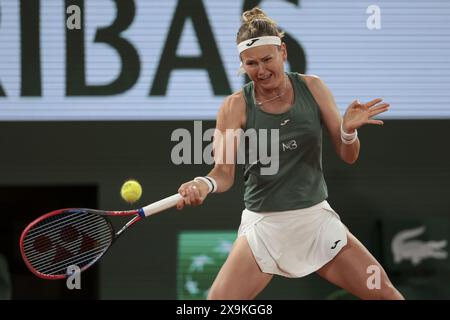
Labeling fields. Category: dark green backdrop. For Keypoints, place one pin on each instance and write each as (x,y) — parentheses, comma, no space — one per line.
(403,171)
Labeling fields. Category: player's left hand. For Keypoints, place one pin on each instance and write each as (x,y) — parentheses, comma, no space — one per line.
(359,114)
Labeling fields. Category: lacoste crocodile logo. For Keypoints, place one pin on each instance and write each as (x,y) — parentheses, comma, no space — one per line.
(405,248)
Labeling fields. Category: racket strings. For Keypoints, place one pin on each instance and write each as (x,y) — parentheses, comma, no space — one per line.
(65,239)
(64,230)
(51,223)
(62,256)
(61,267)
(93,230)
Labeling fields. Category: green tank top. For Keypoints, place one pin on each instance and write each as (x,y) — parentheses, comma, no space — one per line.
(299,182)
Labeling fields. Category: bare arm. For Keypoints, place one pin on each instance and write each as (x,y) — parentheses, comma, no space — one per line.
(356,115)
(231,116)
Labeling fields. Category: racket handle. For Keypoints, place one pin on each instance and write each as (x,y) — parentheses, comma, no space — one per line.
(162,205)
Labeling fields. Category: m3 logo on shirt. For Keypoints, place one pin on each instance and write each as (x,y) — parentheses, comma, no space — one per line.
(290,145)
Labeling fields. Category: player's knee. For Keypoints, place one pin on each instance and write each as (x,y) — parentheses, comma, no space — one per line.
(386,292)
(216,293)
(389,292)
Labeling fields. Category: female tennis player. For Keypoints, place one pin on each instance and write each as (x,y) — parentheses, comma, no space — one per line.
(287,228)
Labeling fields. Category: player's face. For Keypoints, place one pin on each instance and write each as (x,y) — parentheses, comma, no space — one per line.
(265,65)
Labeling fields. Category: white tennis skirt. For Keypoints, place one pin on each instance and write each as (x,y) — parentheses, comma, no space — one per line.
(294,243)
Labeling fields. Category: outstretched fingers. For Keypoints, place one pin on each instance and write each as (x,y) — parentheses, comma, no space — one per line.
(374,109)
(378,122)
(378,109)
(373,102)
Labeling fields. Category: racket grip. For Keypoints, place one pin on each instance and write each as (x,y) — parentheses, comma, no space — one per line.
(162,205)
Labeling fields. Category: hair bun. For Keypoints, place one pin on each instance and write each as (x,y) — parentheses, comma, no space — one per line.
(255,23)
(253,14)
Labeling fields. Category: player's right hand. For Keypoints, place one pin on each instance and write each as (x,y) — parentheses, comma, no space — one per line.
(193,193)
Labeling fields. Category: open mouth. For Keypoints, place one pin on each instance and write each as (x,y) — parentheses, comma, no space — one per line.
(265,78)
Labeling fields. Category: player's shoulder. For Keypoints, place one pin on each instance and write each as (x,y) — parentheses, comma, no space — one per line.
(236,98)
(233,109)
(315,84)
(235,102)
(311,80)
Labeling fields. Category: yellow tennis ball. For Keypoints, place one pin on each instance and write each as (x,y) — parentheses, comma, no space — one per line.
(131,191)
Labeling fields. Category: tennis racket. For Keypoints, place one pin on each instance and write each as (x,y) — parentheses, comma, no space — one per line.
(77,236)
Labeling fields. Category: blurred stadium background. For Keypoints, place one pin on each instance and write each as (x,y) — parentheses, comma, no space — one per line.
(83,110)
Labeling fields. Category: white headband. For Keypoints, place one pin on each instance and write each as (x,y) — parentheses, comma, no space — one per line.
(256,42)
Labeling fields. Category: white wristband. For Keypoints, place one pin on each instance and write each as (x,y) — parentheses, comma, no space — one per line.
(204,180)
(348,138)
(214,183)
(344,141)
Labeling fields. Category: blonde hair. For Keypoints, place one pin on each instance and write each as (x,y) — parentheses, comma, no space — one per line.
(255,23)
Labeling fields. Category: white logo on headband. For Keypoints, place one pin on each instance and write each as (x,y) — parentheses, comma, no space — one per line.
(261,41)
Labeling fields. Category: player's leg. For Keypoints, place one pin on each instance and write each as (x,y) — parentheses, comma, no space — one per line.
(348,270)
(240,277)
